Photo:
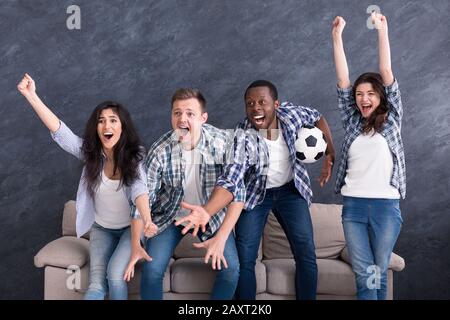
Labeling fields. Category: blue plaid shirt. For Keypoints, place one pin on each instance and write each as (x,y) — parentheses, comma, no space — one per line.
(353,121)
(251,156)
(165,175)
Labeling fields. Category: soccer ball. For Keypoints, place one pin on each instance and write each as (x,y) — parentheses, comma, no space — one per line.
(310,145)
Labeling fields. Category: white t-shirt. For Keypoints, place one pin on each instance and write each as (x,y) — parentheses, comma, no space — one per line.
(191,184)
(112,209)
(280,166)
(369,169)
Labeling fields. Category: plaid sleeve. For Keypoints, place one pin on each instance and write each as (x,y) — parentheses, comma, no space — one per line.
(346,104)
(302,116)
(232,178)
(309,115)
(394,99)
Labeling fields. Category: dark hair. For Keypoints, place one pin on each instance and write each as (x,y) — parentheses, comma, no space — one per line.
(128,151)
(378,117)
(188,93)
(263,83)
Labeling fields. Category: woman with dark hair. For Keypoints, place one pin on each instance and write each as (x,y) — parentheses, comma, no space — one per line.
(112,181)
(371,175)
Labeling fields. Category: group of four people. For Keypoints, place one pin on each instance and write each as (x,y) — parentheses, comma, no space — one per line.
(221,184)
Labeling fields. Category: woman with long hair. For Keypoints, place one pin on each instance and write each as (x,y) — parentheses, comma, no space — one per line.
(113,180)
(371,175)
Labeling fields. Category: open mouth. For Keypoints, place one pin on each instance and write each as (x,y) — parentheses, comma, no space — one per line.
(183,131)
(259,119)
(108,135)
(366,107)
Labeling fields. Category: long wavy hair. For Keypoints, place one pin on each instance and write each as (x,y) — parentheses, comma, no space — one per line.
(377,119)
(127,154)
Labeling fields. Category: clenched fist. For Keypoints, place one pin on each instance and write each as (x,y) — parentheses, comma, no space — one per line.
(27,86)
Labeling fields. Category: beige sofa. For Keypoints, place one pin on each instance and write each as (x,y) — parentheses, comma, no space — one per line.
(66,263)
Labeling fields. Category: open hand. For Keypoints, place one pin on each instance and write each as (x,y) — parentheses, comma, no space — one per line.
(214,250)
(197,218)
(136,254)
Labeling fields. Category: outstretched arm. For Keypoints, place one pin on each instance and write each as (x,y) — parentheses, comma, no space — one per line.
(216,245)
(137,252)
(200,215)
(27,88)
(380,23)
(340,60)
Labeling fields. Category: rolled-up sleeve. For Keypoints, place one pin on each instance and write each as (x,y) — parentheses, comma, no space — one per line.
(346,104)
(139,186)
(67,140)
(151,172)
(309,116)
(232,178)
(393,96)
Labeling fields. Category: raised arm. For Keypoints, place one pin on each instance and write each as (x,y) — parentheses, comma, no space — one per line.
(340,60)
(384,49)
(27,88)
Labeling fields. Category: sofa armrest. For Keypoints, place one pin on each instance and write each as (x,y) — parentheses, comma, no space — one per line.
(63,252)
(396,263)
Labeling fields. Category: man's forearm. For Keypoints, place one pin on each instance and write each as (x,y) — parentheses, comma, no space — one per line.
(218,200)
(322,124)
(233,212)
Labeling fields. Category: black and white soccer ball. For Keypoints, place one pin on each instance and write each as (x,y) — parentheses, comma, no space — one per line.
(310,145)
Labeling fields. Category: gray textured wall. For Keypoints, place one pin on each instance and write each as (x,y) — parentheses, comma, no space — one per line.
(139,52)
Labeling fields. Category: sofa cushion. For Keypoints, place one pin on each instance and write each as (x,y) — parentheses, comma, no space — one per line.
(335,277)
(328,234)
(185,249)
(396,262)
(63,252)
(192,275)
(134,286)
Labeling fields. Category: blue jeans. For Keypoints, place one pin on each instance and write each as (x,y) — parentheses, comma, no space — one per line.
(161,248)
(110,252)
(292,212)
(371,228)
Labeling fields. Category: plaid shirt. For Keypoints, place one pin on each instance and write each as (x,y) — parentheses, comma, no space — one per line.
(165,175)
(352,122)
(251,156)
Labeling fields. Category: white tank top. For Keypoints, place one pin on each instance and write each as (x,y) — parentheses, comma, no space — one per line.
(191,184)
(369,169)
(112,209)
(280,166)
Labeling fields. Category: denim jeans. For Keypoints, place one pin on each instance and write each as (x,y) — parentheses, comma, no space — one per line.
(161,248)
(292,212)
(110,252)
(371,228)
